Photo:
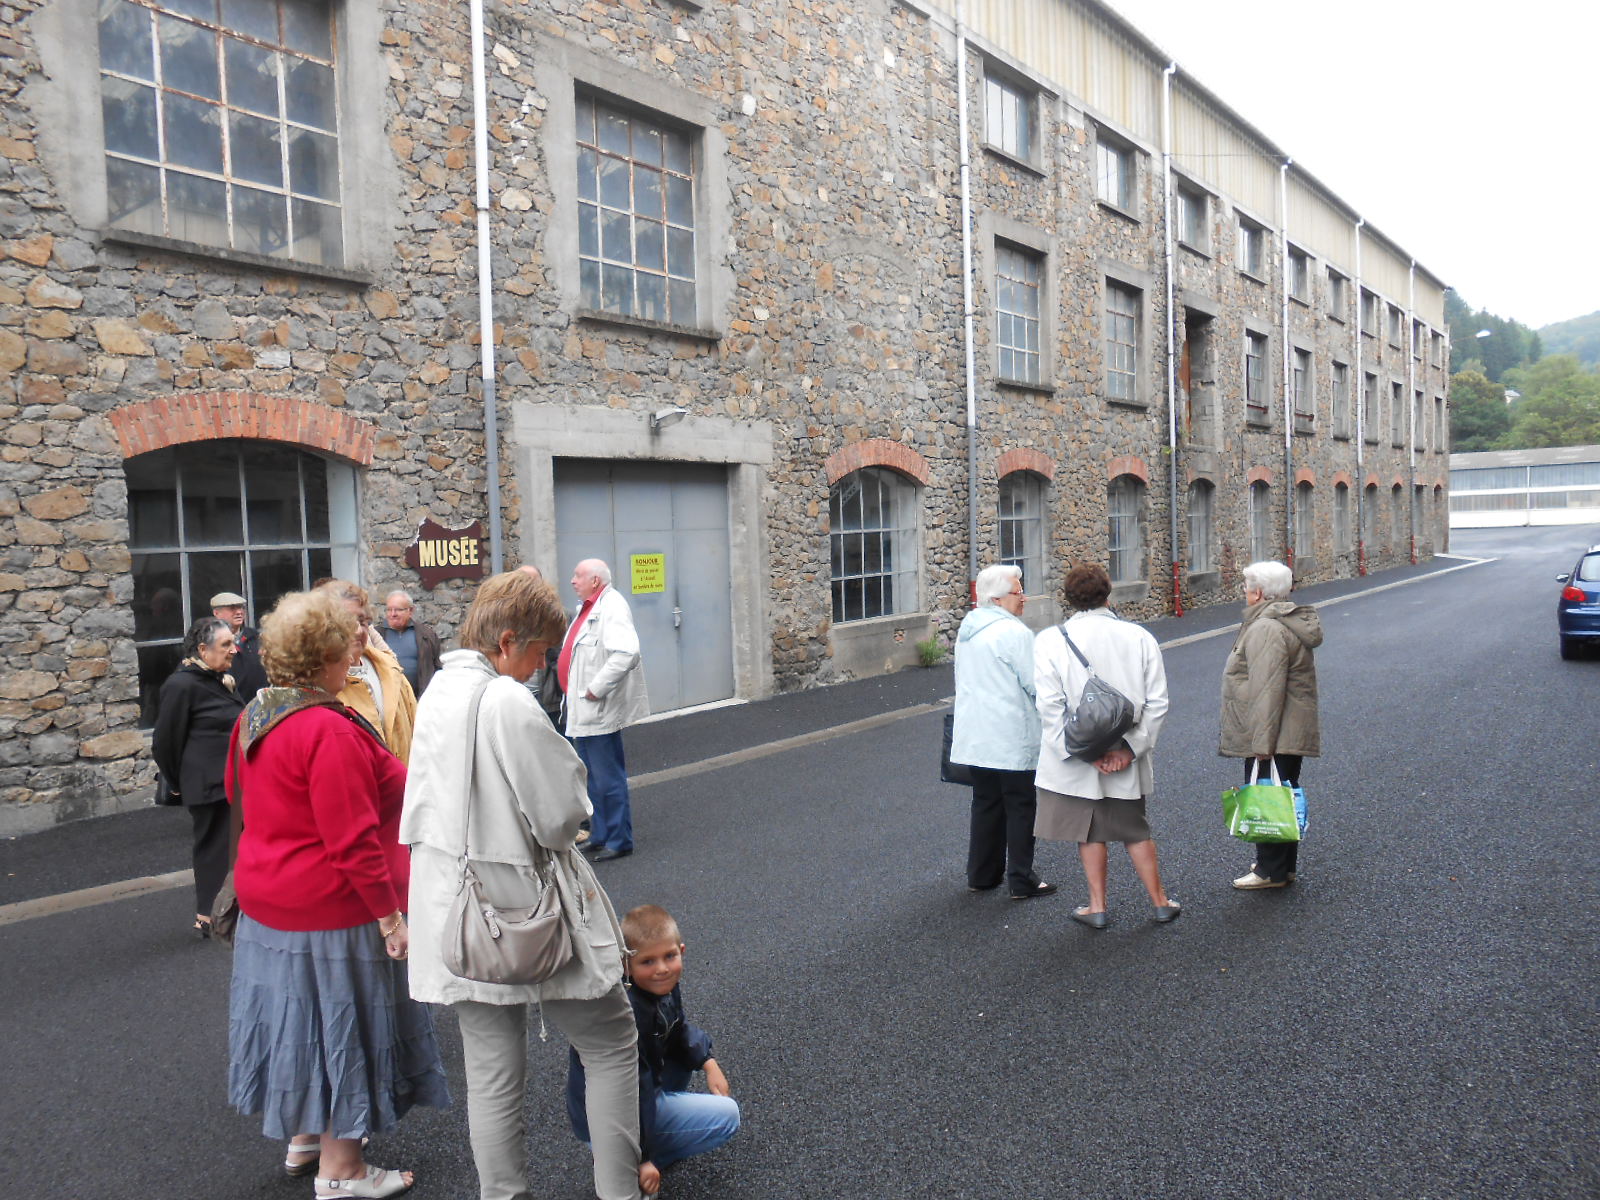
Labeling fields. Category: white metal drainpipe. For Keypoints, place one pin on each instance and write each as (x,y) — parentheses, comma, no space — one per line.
(1172,344)
(1411,405)
(1288,377)
(491,417)
(1361,417)
(967,304)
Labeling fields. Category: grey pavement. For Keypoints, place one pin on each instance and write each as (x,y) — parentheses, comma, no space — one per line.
(1415,1019)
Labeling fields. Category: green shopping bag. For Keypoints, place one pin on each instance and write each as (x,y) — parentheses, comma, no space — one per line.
(1261,812)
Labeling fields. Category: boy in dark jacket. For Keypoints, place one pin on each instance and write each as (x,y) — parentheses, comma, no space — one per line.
(674,1123)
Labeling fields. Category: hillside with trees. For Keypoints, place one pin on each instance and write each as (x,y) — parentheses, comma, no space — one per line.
(1553,387)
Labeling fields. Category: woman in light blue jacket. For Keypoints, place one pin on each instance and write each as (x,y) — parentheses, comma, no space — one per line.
(997,735)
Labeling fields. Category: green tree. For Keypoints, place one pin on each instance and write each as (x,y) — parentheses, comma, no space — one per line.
(1479,415)
(1560,405)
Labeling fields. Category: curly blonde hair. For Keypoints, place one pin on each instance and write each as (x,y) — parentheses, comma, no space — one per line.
(304,632)
(516,601)
(345,590)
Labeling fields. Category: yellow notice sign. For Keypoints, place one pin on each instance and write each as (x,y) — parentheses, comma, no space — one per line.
(649,573)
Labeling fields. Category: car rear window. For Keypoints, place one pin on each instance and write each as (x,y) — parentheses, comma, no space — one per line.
(1589,568)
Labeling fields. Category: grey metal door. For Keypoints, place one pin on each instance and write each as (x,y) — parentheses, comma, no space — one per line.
(663,528)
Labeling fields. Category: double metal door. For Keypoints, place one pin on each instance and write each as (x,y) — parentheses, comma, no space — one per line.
(663,529)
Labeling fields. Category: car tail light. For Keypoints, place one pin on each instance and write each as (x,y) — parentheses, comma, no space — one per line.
(1574,594)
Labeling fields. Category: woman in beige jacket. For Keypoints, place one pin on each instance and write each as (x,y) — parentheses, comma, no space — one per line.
(1269,700)
(528,798)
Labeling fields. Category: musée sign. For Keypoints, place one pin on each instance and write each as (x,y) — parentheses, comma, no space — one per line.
(437,553)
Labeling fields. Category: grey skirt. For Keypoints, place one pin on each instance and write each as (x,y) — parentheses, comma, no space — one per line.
(1080,819)
(323,1035)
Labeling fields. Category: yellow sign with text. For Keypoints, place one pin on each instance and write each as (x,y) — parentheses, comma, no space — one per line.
(649,574)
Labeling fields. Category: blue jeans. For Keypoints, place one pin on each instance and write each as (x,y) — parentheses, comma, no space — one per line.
(689,1123)
(612,823)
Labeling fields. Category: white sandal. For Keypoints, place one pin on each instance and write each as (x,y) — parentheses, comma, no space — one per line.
(377,1182)
(304,1167)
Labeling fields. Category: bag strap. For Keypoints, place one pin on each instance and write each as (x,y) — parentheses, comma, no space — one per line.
(466,786)
(1255,771)
(236,816)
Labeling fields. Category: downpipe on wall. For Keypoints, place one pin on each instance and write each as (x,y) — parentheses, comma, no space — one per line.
(491,416)
(1172,343)
(967,304)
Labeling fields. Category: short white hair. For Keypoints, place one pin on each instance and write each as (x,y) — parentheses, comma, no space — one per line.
(598,569)
(403,595)
(994,583)
(1272,579)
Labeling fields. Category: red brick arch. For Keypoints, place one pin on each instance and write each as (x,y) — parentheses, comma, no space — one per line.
(203,416)
(1372,481)
(1023,459)
(1344,478)
(875,452)
(1259,475)
(1305,475)
(1128,464)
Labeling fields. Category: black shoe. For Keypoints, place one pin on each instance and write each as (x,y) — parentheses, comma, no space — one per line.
(608,855)
(988,887)
(1094,920)
(592,848)
(1040,888)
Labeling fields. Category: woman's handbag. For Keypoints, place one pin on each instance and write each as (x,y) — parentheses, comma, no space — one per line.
(952,772)
(487,943)
(225,908)
(1261,812)
(1095,725)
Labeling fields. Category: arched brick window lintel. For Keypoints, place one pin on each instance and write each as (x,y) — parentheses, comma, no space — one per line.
(1128,464)
(1025,459)
(875,452)
(205,416)
(1372,481)
(1259,475)
(1305,475)
(1344,478)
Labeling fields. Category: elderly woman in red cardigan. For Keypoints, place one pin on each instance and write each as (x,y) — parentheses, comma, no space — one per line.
(324,1040)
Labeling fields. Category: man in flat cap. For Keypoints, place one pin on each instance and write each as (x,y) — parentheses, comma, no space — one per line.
(249,676)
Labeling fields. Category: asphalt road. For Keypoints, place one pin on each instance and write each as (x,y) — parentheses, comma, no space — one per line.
(1415,1019)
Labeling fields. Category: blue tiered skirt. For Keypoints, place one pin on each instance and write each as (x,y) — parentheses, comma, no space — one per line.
(323,1035)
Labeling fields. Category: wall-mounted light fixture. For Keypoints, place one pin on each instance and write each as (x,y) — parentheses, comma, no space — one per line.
(662,417)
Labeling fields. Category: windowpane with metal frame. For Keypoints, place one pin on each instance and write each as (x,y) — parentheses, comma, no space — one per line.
(1114,173)
(1022,506)
(1124,534)
(248,517)
(1008,118)
(1255,378)
(873,552)
(1341,518)
(224,131)
(1305,522)
(1341,400)
(1122,342)
(1260,522)
(1017,280)
(1202,527)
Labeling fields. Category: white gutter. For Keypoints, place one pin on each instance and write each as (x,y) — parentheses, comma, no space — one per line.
(1288,376)
(1172,342)
(1411,404)
(1361,418)
(491,419)
(966,299)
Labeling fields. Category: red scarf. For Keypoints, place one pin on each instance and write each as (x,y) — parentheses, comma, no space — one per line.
(564,663)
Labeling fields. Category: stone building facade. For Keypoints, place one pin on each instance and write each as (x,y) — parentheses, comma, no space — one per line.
(241,342)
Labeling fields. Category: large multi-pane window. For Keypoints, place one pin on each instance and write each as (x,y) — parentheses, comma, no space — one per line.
(1260,521)
(228,516)
(1022,527)
(1193,220)
(1397,414)
(1305,413)
(1017,277)
(1008,117)
(1369,312)
(1114,173)
(1341,400)
(1122,342)
(1202,527)
(1252,248)
(1369,407)
(1337,297)
(1300,275)
(1305,522)
(221,124)
(1255,378)
(872,523)
(1341,518)
(636,214)
(1125,532)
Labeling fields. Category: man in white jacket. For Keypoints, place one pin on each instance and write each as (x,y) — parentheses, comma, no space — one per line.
(599,672)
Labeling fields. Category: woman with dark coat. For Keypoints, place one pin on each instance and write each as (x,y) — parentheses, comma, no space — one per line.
(194,718)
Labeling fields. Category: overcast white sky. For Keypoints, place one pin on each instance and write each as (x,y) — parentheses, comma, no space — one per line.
(1467,131)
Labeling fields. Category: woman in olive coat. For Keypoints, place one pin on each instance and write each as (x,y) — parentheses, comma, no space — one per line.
(198,707)
(1269,700)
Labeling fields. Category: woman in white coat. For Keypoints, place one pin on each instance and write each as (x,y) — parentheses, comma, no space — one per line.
(528,799)
(1093,803)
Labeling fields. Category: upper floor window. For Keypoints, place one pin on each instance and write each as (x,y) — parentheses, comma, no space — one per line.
(1338,294)
(1125,533)
(1396,325)
(1022,528)
(1341,400)
(1114,172)
(223,130)
(1305,411)
(872,537)
(1369,407)
(1252,248)
(1419,338)
(1193,218)
(1255,379)
(1397,414)
(1008,117)
(1017,335)
(1299,275)
(1122,342)
(256,518)
(1369,312)
(636,215)
(1437,356)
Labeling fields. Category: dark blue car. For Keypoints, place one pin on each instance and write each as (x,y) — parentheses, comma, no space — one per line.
(1578,611)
